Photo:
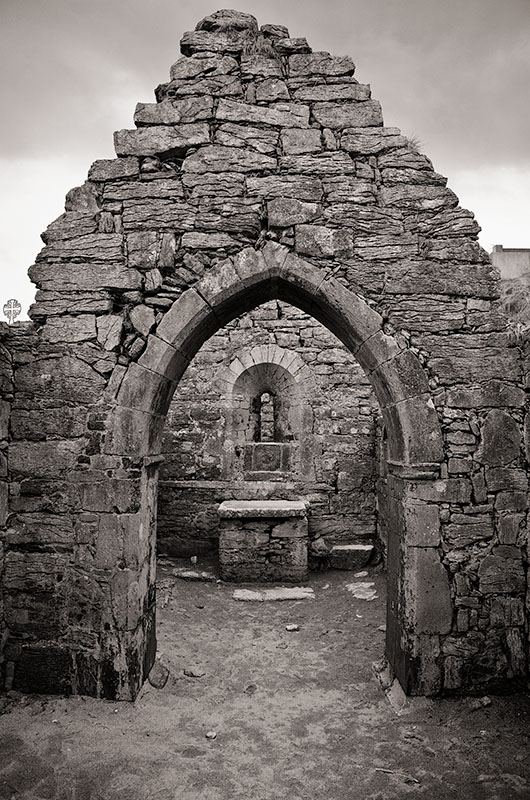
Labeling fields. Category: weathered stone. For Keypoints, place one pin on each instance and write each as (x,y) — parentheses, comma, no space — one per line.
(500,479)
(319,164)
(82,277)
(153,280)
(99,247)
(318,241)
(83,198)
(109,330)
(67,379)
(159,139)
(43,458)
(230,216)
(367,140)
(264,140)
(228,20)
(295,141)
(425,198)
(329,92)
(114,169)
(198,66)
(213,85)
(300,187)
(502,572)
(290,115)
(207,241)
(347,188)
(320,63)
(143,215)
(52,303)
(143,249)
(217,184)
(270,90)
(71,329)
(283,212)
(390,177)
(260,65)
(288,46)
(275,31)
(142,318)
(350,556)
(364,114)
(490,393)
(422,524)
(69,226)
(501,439)
(426,586)
(424,277)
(174,112)
(217,42)
(509,527)
(216,158)
(461,535)
(170,188)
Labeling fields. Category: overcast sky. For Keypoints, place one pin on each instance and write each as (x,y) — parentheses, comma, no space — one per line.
(454,73)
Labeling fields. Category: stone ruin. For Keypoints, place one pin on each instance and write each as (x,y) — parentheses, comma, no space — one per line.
(262,178)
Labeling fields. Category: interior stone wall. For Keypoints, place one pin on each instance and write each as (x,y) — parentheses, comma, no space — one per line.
(263,172)
(340,437)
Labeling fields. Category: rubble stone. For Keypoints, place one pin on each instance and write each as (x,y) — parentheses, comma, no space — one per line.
(260,193)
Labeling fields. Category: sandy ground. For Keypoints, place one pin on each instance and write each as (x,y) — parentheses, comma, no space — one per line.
(298,715)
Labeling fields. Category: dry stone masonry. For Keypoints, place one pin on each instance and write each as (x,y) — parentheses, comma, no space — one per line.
(262,173)
(263,540)
(323,447)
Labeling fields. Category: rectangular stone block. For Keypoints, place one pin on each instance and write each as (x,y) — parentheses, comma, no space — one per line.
(96,247)
(174,112)
(319,241)
(329,92)
(114,169)
(319,63)
(160,138)
(217,158)
(426,591)
(301,187)
(284,115)
(422,524)
(232,134)
(73,277)
(295,141)
(367,140)
(43,458)
(502,572)
(364,114)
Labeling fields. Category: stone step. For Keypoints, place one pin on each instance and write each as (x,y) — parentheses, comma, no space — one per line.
(350,556)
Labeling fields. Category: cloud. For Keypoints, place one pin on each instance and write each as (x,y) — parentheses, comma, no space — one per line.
(453,73)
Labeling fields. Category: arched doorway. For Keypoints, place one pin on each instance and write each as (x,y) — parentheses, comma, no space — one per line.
(418,598)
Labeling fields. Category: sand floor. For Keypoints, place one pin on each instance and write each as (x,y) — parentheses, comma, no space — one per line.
(297,714)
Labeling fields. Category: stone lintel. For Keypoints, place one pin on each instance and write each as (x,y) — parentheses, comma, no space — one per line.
(256,509)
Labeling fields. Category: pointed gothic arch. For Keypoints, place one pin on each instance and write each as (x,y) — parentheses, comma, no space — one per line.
(184,210)
(134,427)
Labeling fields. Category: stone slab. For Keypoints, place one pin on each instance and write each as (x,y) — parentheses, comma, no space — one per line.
(350,556)
(276,594)
(254,509)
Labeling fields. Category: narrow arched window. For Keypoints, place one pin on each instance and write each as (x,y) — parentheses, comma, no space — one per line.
(266,417)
